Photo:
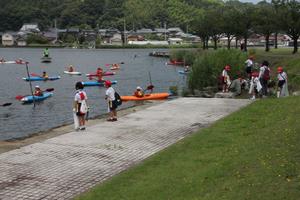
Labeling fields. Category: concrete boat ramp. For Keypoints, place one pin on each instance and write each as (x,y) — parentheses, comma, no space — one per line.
(67,165)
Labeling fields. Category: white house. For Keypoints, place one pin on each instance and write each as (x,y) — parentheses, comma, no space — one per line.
(173,41)
(30,28)
(7,39)
(116,39)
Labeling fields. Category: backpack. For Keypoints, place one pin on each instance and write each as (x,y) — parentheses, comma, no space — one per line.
(118,99)
(83,107)
(266,75)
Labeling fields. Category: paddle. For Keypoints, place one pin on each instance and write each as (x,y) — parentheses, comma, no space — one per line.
(33,74)
(6,104)
(19,97)
(107,65)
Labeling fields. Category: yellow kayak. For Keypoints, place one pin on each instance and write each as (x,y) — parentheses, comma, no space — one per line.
(154,96)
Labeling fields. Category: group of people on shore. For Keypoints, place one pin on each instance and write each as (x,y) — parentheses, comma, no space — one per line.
(81,108)
(256,81)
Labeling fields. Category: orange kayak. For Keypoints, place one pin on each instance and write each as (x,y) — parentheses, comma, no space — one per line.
(154,96)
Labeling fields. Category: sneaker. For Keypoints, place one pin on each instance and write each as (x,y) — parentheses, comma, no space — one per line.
(82,128)
(115,119)
(110,120)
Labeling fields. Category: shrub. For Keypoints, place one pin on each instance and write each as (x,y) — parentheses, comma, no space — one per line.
(207,68)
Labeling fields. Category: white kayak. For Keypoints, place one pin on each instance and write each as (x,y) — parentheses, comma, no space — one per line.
(72,73)
(7,62)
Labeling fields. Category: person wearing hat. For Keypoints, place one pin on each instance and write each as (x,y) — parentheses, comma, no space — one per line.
(264,77)
(38,91)
(45,75)
(110,97)
(226,78)
(80,106)
(139,92)
(255,86)
(282,83)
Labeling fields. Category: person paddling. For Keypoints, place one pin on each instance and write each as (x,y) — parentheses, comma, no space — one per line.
(99,74)
(45,75)
(38,91)
(46,52)
(139,92)
(71,68)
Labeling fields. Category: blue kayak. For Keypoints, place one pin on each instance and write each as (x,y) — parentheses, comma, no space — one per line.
(183,72)
(96,83)
(51,78)
(29,99)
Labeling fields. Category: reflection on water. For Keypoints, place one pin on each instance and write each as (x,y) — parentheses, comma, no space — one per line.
(20,120)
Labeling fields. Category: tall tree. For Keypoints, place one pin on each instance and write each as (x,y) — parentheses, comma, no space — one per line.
(290,20)
(265,21)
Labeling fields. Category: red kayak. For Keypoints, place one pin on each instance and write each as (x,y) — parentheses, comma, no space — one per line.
(103,74)
(175,63)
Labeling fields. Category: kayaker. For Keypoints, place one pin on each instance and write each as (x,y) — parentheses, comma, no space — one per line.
(115,66)
(80,105)
(38,91)
(45,75)
(110,97)
(71,68)
(186,68)
(99,74)
(2,60)
(139,92)
(46,52)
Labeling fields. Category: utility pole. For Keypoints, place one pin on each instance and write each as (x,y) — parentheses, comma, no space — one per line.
(125,37)
(165,26)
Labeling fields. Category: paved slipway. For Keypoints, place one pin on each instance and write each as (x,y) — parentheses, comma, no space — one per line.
(65,166)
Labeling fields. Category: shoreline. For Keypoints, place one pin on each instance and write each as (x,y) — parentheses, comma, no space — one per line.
(8,145)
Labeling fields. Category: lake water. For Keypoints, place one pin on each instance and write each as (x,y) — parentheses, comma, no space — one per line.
(18,120)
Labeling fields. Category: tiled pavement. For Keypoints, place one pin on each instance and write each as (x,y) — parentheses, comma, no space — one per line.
(65,166)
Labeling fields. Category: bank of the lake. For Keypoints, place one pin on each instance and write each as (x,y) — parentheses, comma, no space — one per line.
(251,154)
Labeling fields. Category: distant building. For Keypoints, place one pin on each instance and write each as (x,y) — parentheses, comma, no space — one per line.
(173,41)
(21,41)
(30,27)
(8,39)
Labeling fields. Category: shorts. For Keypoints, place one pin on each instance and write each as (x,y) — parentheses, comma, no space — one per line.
(281,83)
(112,105)
(79,113)
(248,70)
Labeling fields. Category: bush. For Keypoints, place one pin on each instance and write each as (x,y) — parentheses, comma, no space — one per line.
(36,39)
(187,56)
(207,69)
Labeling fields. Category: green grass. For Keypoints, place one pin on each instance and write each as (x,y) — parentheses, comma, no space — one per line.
(251,154)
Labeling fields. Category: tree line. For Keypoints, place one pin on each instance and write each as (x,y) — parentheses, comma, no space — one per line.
(209,19)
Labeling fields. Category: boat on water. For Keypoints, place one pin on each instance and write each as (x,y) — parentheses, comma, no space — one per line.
(152,96)
(72,73)
(183,72)
(103,74)
(96,83)
(30,98)
(175,63)
(33,78)
(46,59)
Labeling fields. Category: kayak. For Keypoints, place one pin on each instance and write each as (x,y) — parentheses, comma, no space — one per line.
(51,78)
(183,72)
(29,99)
(72,73)
(175,63)
(9,62)
(114,68)
(96,83)
(46,59)
(103,74)
(153,96)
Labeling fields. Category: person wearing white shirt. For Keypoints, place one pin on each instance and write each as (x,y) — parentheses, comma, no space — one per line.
(249,66)
(282,83)
(80,105)
(264,76)
(112,105)
(226,78)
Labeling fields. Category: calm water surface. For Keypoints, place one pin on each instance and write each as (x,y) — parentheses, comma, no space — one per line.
(18,120)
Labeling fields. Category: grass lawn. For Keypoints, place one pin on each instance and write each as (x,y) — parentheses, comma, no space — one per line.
(251,154)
